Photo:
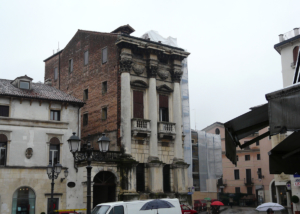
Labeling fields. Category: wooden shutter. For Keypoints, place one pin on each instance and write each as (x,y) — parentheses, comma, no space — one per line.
(138,104)
(163,101)
(4,111)
(295,54)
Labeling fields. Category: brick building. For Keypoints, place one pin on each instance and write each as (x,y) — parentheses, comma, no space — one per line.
(131,87)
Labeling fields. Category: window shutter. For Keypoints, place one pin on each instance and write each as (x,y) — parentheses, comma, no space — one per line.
(138,104)
(163,101)
(86,57)
(295,54)
(104,55)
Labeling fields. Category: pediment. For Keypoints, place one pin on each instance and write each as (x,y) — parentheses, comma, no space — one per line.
(164,88)
(139,84)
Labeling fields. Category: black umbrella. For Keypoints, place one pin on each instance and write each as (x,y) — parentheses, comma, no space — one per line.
(156,204)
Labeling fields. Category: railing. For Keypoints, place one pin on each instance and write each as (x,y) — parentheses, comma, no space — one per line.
(166,129)
(137,123)
(222,182)
(248,181)
(97,156)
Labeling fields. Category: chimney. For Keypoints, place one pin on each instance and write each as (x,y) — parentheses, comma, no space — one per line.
(281,38)
(48,82)
(125,29)
(296,31)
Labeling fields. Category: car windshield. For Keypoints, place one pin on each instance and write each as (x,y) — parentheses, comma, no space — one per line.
(100,209)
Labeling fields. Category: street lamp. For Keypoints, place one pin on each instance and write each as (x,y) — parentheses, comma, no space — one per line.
(88,155)
(53,172)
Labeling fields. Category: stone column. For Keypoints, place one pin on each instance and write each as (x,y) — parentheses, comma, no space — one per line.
(152,106)
(125,67)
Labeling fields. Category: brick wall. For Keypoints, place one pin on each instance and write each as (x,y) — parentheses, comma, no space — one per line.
(90,77)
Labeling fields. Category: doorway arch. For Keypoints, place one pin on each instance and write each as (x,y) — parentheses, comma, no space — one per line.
(23,201)
(104,188)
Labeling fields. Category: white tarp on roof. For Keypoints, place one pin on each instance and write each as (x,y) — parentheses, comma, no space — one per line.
(156,37)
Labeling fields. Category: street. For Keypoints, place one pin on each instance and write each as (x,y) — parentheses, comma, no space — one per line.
(242,210)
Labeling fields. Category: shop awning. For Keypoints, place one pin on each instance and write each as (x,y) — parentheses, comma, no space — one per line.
(242,126)
(284,109)
(285,157)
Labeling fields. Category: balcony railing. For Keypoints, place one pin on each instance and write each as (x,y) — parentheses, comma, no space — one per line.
(166,130)
(248,182)
(222,182)
(140,127)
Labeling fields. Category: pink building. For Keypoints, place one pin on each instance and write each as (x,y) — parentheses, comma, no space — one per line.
(251,175)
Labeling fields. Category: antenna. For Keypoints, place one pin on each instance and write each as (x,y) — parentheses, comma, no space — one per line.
(195,118)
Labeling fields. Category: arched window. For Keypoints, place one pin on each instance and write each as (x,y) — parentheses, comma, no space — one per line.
(217,131)
(3,149)
(23,201)
(54,150)
(295,54)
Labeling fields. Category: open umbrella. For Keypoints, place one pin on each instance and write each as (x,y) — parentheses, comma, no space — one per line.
(156,204)
(273,206)
(207,198)
(217,203)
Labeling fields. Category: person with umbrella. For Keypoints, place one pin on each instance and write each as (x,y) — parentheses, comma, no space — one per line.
(215,206)
(270,211)
(269,207)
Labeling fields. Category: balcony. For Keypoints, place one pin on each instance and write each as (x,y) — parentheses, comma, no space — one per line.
(166,130)
(140,127)
(248,182)
(221,182)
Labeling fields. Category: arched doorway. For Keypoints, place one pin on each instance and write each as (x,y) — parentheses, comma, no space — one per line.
(23,201)
(104,189)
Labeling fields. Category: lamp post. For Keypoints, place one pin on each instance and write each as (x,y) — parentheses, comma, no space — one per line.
(53,172)
(74,145)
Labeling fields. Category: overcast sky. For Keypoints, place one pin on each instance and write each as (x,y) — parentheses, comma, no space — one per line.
(232,64)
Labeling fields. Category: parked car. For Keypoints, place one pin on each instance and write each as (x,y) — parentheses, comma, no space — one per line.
(186,210)
(200,205)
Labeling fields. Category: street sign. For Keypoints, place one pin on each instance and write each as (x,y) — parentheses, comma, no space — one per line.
(297,184)
(190,193)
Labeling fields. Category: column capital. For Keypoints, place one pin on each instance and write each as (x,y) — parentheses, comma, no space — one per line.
(176,72)
(125,65)
(152,67)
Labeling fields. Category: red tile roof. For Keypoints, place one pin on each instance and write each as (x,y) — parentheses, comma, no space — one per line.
(38,91)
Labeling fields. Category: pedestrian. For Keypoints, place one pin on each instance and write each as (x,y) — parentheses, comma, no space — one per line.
(208,206)
(270,211)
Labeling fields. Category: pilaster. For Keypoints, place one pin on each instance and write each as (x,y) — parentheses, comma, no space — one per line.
(155,180)
(180,176)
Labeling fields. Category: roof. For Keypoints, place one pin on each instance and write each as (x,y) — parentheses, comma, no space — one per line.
(276,47)
(38,91)
(124,29)
(213,125)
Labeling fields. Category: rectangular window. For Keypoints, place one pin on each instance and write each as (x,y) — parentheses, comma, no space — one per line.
(140,177)
(85,119)
(237,158)
(4,111)
(86,57)
(55,115)
(71,65)
(24,85)
(195,167)
(85,94)
(104,113)
(3,147)
(55,205)
(104,55)
(236,174)
(259,173)
(248,176)
(166,178)
(104,87)
(247,157)
(138,104)
(258,156)
(249,190)
(257,143)
(55,73)
(196,182)
(237,190)
(54,153)
(163,108)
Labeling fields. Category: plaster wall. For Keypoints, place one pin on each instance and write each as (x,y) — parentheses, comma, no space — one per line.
(29,126)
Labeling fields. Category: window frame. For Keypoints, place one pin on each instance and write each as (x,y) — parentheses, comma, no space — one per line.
(236,174)
(258,156)
(8,110)
(104,83)
(246,158)
(257,143)
(102,55)
(104,110)
(239,190)
(138,95)
(163,110)
(59,114)
(5,155)
(71,65)
(85,94)
(259,173)
(24,81)
(86,57)
(85,119)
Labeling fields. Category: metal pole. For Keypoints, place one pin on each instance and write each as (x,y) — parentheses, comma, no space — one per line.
(52,189)
(89,169)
